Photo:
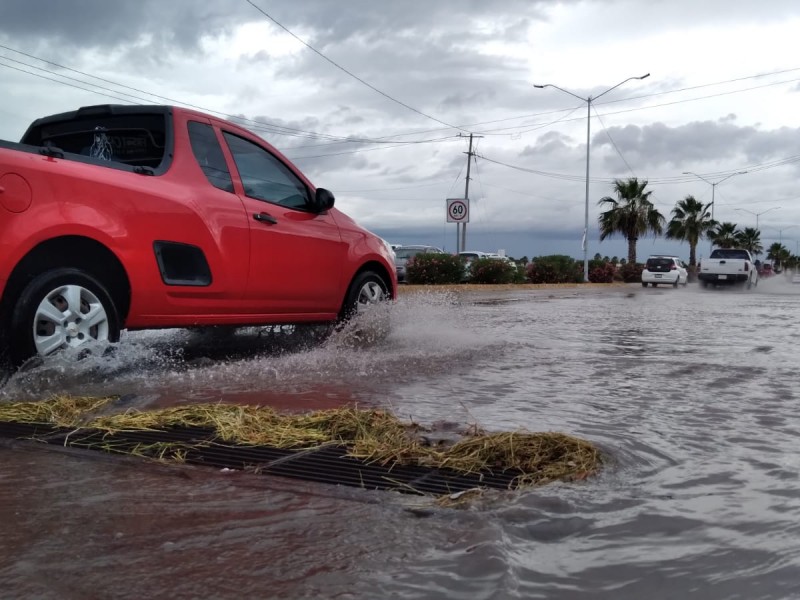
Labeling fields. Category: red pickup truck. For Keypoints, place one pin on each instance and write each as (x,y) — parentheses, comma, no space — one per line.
(137,217)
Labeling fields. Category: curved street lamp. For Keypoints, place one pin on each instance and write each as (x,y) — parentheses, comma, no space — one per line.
(757,214)
(588,100)
(714,185)
(780,232)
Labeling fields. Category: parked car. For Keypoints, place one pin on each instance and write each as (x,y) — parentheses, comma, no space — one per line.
(469,255)
(665,270)
(140,217)
(403,253)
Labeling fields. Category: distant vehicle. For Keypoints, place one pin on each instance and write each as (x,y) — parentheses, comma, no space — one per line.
(470,255)
(403,253)
(765,270)
(665,270)
(728,266)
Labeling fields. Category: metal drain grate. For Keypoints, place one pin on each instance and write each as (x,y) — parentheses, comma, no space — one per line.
(328,464)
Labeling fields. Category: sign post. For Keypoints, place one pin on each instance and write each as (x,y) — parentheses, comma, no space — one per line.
(458,212)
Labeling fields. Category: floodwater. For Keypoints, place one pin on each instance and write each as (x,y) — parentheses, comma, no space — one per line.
(693,394)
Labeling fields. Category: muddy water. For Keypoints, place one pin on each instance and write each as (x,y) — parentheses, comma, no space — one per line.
(693,394)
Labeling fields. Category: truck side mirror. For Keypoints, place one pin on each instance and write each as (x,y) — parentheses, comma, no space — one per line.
(323,200)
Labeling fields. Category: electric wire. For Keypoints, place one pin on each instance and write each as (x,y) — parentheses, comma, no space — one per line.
(341,68)
(613,143)
(281,130)
(271,127)
(252,123)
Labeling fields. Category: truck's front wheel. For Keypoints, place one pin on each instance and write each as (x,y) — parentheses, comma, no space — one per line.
(59,309)
(367,288)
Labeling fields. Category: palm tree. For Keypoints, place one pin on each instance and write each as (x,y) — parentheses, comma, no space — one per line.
(750,239)
(631,214)
(723,235)
(778,254)
(691,220)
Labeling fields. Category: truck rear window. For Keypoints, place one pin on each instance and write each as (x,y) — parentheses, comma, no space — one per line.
(730,253)
(136,139)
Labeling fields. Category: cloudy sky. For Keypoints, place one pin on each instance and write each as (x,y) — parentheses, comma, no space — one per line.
(376,101)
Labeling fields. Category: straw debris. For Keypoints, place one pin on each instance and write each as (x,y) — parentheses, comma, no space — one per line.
(60,411)
(371,435)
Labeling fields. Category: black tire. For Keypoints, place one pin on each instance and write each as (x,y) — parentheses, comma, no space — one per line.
(44,295)
(6,368)
(644,284)
(677,281)
(367,288)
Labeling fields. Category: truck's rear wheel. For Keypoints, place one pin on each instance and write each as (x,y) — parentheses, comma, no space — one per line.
(59,309)
(367,288)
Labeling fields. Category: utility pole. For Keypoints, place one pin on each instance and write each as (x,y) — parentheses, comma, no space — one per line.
(466,196)
(470,154)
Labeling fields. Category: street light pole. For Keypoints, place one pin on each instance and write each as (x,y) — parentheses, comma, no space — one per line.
(713,190)
(588,101)
(757,214)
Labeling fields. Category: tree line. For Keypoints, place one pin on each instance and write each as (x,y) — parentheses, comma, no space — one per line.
(632,215)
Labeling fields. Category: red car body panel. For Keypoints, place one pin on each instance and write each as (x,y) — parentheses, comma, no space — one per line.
(297,269)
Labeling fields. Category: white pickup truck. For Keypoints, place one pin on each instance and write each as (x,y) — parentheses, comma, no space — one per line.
(728,266)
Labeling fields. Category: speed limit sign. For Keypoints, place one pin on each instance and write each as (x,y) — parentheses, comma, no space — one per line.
(458,210)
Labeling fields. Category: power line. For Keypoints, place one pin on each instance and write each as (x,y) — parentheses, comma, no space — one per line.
(655,181)
(288,131)
(260,125)
(354,76)
(265,126)
(400,145)
(613,143)
(384,189)
(253,125)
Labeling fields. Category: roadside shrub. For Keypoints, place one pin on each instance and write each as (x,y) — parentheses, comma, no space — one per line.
(555,268)
(491,270)
(631,273)
(601,272)
(434,268)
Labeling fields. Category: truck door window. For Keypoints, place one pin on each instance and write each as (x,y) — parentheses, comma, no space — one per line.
(264,177)
(208,153)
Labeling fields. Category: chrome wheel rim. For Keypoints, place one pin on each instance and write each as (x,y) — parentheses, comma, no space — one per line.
(370,293)
(67,317)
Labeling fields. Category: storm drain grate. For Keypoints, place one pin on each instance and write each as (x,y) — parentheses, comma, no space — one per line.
(327,464)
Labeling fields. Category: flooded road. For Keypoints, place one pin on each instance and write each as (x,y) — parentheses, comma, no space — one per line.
(693,394)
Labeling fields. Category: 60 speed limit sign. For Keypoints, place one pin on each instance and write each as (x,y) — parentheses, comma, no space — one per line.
(457,210)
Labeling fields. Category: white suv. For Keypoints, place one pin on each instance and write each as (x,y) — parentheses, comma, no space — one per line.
(665,270)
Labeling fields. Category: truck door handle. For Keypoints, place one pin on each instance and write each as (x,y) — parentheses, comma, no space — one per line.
(265,218)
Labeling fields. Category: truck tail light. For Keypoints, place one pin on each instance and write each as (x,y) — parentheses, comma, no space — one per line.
(746,266)
(673,268)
